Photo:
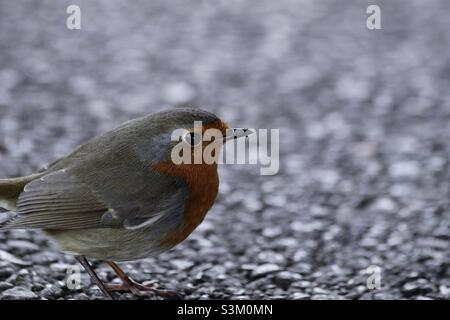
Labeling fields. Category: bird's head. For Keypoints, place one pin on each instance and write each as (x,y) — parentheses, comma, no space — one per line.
(187,133)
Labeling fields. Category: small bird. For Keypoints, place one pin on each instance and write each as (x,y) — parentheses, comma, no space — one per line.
(120,197)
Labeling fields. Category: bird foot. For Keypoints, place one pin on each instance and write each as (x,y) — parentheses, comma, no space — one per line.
(142,290)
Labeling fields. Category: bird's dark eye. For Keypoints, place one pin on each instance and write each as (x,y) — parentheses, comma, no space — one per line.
(193,138)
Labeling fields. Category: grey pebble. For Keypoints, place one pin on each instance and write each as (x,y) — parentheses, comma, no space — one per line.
(18,293)
(5,285)
(284,279)
(264,269)
(181,264)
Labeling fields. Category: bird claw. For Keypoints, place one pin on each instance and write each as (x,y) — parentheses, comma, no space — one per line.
(143,291)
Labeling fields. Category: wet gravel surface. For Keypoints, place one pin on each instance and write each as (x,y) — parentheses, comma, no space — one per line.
(364,126)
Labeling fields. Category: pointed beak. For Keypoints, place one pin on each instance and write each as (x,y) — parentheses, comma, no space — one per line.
(235,133)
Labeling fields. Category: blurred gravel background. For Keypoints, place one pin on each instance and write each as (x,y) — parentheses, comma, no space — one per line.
(364,118)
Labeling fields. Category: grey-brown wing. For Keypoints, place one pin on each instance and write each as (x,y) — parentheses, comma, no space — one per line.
(61,201)
(58,201)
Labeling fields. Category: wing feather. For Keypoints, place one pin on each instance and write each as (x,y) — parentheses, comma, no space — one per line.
(58,201)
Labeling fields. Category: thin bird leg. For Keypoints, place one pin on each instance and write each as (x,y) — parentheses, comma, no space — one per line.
(83,261)
(129,284)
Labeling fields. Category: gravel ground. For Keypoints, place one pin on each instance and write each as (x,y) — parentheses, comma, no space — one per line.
(364,126)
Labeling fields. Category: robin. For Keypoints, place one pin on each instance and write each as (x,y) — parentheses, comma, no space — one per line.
(119,197)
